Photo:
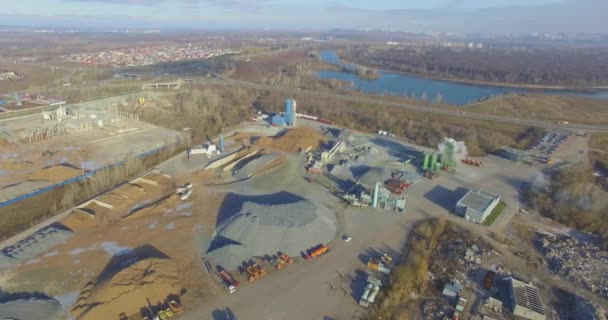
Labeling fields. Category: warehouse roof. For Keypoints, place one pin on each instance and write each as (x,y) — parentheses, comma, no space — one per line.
(478,200)
(527,296)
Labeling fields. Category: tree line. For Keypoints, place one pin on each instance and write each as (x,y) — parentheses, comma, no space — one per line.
(558,67)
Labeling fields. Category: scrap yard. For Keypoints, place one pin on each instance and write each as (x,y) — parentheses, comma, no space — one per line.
(283,208)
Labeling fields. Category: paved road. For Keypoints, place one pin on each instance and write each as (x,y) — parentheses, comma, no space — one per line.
(435,110)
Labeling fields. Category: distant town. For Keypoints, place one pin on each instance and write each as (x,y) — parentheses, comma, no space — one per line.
(142,56)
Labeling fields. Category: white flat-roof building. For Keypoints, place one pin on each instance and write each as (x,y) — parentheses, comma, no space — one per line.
(526,301)
(476,205)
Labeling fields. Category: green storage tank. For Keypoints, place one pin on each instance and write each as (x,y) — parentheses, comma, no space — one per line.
(433,161)
(425,163)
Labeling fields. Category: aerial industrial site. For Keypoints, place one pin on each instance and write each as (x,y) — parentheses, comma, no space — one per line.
(155,174)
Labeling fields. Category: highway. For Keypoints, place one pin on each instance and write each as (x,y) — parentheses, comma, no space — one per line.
(436,110)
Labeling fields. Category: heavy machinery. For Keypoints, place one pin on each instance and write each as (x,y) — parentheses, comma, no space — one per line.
(380,264)
(286,258)
(396,186)
(229,281)
(254,271)
(278,263)
(184,192)
(363,300)
(371,290)
(176,307)
(318,251)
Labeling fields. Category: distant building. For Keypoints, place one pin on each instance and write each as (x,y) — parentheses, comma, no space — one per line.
(525,300)
(476,205)
(512,154)
(451,291)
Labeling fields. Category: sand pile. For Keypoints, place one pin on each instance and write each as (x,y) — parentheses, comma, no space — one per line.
(259,228)
(56,173)
(4,144)
(78,221)
(127,282)
(293,140)
(30,309)
(16,165)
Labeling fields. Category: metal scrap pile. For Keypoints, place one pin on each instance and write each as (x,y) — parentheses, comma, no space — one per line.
(580,262)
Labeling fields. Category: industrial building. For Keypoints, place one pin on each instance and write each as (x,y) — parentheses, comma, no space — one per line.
(288,117)
(476,205)
(290,112)
(512,154)
(525,300)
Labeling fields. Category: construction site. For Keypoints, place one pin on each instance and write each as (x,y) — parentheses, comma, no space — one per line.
(283,208)
(46,148)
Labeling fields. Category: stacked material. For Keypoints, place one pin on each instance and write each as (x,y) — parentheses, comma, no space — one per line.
(259,229)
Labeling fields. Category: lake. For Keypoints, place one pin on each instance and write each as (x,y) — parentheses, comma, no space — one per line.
(423,88)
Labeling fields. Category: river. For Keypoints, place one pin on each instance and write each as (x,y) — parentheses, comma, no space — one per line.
(423,88)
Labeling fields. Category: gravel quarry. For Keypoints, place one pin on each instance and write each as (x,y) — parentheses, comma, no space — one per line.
(264,225)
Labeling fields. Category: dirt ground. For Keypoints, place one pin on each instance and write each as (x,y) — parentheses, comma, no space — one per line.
(326,288)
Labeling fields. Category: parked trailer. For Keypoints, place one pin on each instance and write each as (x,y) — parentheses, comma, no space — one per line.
(231,283)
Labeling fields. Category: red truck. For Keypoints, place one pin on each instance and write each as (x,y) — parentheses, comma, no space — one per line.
(229,281)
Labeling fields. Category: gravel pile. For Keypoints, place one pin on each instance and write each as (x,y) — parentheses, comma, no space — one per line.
(31,309)
(252,167)
(258,229)
(342,171)
(31,247)
(374,175)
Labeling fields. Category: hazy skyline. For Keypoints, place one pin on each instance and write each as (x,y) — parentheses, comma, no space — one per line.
(489,16)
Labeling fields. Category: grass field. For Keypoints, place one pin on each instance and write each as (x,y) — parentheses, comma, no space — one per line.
(495,214)
(545,107)
(599,148)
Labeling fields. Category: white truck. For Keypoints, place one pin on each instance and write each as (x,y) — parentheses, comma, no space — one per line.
(371,291)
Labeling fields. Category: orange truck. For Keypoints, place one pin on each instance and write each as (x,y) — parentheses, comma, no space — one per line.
(319,251)
(286,258)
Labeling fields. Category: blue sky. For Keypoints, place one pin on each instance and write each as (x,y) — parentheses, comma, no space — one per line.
(501,16)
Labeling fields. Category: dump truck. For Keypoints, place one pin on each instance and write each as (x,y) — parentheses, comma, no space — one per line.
(319,251)
(176,307)
(363,300)
(278,263)
(371,290)
(378,265)
(255,271)
(229,281)
(372,295)
(286,258)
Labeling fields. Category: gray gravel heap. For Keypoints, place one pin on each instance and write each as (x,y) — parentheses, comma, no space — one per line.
(374,175)
(31,247)
(260,229)
(32,309)
(253,166)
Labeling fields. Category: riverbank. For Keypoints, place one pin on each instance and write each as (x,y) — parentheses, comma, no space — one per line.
(482,83)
